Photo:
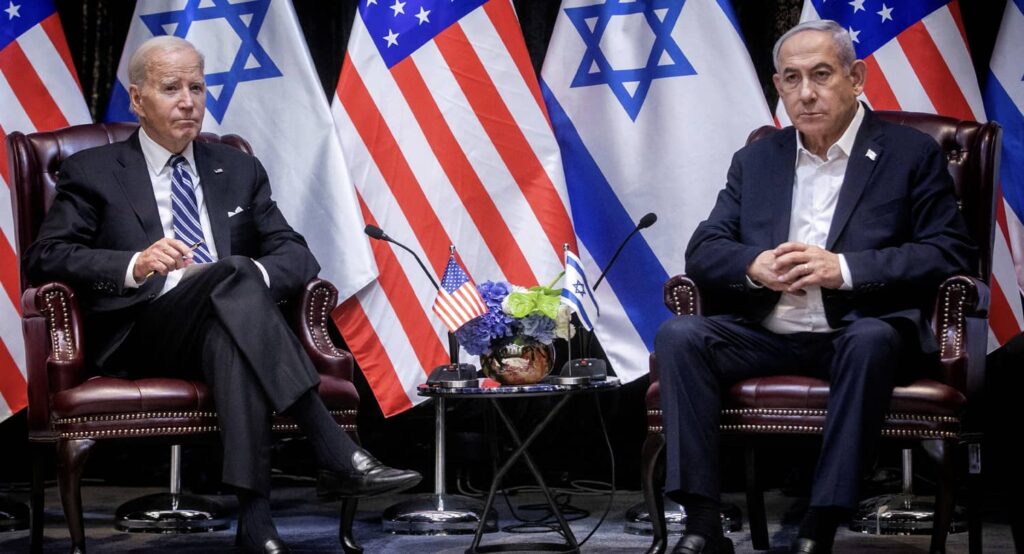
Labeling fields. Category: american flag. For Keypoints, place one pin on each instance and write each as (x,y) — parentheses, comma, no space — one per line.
(918,60)
(447,141)
(39,91)
(458,302)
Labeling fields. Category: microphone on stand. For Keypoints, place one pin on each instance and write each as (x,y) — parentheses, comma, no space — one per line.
(584,370)
(645,222)
(452,374)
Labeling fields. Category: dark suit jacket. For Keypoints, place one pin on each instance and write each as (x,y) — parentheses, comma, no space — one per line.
(105,211)
(896,221)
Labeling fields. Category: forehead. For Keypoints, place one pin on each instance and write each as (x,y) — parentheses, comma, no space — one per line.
(808,49)
(175,64)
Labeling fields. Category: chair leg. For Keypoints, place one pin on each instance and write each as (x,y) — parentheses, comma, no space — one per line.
(37,499)
(652,479)
(755,503)
(348,516)
(943,454)
(71,457)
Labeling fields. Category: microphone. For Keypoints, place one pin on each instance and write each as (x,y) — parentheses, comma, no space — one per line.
(377,233)
(645,222)
(453,374)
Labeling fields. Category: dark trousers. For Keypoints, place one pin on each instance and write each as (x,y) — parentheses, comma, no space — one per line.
(222,325)
(699,357)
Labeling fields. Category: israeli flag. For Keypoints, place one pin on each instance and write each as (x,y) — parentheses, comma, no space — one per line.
(261,85)
(649,100)
(1004,102)
(576,292)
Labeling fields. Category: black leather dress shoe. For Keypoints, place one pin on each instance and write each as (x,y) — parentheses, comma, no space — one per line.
(696,544)
(368,477)
(272,546)
(809,546)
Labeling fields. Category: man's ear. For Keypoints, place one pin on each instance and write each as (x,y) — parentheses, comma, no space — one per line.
(135,99)
(858,74)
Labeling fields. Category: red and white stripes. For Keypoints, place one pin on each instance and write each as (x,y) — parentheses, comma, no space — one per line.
(452,145)
(39,91)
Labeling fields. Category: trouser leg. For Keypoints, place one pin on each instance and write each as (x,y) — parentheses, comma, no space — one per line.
(697,356)
(862,371)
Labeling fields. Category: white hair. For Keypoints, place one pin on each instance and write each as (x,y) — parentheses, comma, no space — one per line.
(840,37)
(143,56)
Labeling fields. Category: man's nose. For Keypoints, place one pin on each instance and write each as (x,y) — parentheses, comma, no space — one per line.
(807,90)
(185,100)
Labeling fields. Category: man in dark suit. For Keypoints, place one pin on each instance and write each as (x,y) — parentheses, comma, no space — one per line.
(179,256)
(822,253)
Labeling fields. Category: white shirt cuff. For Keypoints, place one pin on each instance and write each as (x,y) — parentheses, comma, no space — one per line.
(263,270)
(129,277)
(752,283)
(845,270)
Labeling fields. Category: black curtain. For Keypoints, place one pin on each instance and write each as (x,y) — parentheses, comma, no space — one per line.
(96,31)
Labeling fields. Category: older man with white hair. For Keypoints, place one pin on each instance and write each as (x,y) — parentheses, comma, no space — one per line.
(130,227)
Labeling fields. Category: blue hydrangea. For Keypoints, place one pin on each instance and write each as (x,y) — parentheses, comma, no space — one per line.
(539,327)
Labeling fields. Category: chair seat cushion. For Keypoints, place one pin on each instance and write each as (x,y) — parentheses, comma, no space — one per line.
(797,404)
(104,407)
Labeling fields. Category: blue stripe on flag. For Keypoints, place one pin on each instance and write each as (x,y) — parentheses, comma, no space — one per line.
(726,6)
(602,222)
(580,310)
(1020,4)
(117,108)
(1000,107)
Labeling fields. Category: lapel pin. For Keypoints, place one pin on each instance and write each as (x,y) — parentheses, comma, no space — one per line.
(871,154)
(219,170)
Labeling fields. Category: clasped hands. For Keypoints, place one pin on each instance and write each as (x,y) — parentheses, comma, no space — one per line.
(163,257)
(793,266)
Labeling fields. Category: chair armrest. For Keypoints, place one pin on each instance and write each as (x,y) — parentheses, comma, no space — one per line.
(960,322)
(52,325)
(310,318)
(682,297)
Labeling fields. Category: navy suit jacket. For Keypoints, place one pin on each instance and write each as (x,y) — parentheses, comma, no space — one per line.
(105,211)
(896,222)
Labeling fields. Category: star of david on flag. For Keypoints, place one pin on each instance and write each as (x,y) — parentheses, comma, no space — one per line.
(576,292)
(629,77)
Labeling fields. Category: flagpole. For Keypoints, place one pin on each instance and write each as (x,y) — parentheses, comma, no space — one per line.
(568,322)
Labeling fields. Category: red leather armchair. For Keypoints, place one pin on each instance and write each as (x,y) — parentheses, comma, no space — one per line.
(72,411)
(938,409)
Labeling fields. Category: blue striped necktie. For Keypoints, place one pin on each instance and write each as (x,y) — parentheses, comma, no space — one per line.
(187,228)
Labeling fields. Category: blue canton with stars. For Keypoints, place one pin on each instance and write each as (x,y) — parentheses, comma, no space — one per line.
(400,27)
(592,21)
(873,23)
(250,53)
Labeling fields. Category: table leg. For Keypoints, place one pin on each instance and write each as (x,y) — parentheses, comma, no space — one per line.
(521,451)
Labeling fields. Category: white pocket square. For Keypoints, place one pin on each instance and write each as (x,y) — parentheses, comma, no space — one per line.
(236,211)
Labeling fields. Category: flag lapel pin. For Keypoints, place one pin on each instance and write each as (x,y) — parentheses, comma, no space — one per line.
(871,154)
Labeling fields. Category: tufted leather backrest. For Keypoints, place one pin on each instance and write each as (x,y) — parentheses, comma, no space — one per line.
(35,160)
(972,152)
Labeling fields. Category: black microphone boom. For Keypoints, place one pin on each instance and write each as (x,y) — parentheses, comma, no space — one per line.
(377,233)
(645,222)
(450,375)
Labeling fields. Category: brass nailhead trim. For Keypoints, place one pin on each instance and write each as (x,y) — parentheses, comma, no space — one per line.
(190,430)
(953,310)
(60,331)
(159,415)
(677,301)
(322,298)
(807,429)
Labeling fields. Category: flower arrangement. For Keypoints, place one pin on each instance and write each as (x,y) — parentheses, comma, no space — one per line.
(513,310)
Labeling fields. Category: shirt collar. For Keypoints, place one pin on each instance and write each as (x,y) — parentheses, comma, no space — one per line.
(845,142)
(157,156)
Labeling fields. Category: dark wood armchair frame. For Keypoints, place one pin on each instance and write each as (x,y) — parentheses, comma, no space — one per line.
(71,411)
(940,410)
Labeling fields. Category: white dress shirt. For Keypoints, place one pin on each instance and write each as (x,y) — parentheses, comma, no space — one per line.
(157,158)
(816,188)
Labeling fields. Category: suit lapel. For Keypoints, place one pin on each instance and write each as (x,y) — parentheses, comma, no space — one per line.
(213,179)
(133,177)
(780,176)
(858,173)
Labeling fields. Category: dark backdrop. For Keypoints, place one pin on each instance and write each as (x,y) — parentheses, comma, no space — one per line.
(96,31)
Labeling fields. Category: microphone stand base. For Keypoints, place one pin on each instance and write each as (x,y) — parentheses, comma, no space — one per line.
(581,372)
(453,376)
